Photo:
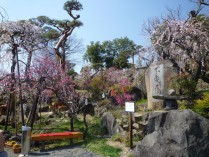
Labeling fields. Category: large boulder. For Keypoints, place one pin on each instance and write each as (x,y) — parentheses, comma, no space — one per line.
(175,133)
(109,122)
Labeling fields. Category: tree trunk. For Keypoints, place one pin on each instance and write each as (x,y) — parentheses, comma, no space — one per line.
(63,54)
(33,110)
(12,88)
(133,59)
(20,92)
(71,123)
(61,42)
(71,128)
(27,68)
(32,115)
(8,112)
(86,126)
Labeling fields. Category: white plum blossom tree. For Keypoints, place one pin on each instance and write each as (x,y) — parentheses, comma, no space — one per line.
(15,38)
(186,44)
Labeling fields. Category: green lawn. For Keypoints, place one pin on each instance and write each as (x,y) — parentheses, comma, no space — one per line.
(94,139)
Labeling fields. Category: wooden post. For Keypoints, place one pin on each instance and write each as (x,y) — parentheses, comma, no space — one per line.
(130,107)
(130,130)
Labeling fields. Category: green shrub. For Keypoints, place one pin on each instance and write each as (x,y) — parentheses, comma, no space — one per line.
(95,127)
(186,84)
(202,106)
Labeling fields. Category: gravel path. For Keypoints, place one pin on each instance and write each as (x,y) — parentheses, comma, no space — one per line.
(59,152)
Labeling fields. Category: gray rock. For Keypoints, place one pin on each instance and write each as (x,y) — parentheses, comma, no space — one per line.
(120,129)
(119,121)
(134,131)
(137,117)
(99,111)
(109,122)
(125,120)
(126,127)
(175,134)
(140,133)
(142,125)
(171,92)
(136,126)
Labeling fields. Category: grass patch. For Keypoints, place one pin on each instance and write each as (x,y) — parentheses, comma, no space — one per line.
(100,146)
(95,140)
(141,105)
(142,101)
(118,138)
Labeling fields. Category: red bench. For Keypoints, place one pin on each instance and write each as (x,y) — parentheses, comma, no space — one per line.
(55,136)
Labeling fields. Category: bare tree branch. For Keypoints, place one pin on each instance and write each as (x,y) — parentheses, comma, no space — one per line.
(3,14)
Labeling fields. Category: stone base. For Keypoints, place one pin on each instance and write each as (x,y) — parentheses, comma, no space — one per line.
(170,105)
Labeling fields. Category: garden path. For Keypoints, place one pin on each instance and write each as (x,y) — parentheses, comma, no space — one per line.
(59,152)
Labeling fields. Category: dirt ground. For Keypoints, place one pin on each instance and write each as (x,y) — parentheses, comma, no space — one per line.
(60,152)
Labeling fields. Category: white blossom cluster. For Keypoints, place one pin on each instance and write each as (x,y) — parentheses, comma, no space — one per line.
(185,42)
(22,33)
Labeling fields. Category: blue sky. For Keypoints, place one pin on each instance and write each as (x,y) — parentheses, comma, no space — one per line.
(103,19)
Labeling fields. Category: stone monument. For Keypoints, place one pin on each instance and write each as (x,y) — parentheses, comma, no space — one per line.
(158,78)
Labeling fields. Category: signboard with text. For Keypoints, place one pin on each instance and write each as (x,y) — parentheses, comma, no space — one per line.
(129,106)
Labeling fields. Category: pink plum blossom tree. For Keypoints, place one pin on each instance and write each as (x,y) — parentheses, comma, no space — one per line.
(53,79)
